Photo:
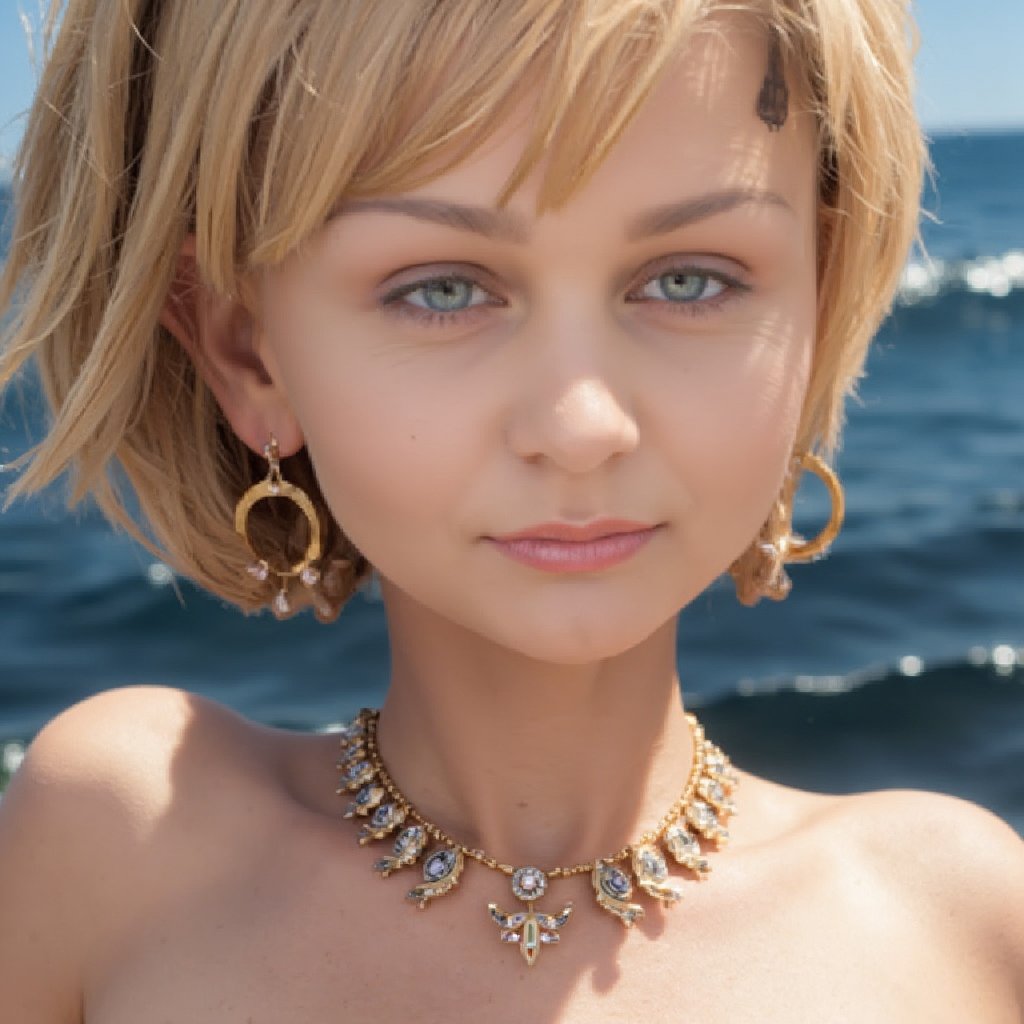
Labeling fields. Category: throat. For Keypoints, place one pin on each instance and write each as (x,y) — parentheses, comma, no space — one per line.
(535,774)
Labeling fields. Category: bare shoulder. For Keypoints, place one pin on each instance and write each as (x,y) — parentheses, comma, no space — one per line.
(946,860)
(131,720)
(941,846)
(924,892)
(104,808)
(128,754)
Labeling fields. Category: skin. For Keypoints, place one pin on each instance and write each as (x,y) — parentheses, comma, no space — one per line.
(202,870)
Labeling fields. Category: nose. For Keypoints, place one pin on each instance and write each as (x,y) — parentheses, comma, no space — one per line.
(576,423)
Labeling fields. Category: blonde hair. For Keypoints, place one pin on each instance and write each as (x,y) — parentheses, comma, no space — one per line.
(247,121)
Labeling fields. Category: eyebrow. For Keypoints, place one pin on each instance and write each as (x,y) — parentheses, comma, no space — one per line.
(672,216)
(507,226)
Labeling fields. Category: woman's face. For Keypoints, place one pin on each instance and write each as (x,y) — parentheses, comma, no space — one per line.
(461,372)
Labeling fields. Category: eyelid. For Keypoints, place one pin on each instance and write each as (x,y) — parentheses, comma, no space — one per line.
(733,271)
(423,274)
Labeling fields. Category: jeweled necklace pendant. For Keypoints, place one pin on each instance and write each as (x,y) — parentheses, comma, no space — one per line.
(700,813)
(528,928)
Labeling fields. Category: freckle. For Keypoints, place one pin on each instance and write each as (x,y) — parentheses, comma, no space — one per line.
(522,805)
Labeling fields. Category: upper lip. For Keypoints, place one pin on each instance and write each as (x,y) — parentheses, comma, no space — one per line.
(578,531)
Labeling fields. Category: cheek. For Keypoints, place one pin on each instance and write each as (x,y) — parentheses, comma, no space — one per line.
(383,441)
(738,420)
(379,473)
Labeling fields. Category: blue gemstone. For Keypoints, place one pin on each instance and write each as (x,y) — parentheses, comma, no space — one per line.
(617,882)
(438,865)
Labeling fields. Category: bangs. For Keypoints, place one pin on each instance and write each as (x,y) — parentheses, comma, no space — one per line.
(366,101)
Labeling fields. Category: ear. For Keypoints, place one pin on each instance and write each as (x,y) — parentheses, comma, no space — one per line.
(219,333)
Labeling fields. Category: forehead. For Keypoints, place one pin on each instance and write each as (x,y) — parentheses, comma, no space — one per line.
(696,132)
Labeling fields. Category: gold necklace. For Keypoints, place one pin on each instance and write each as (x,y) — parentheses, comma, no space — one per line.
(702,810)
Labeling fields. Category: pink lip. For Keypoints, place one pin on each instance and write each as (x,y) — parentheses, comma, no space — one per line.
(565,547)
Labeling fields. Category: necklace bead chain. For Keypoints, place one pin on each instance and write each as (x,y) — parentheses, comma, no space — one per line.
(704,806)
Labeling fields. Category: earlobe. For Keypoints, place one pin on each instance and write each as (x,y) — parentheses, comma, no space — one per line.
(219,333)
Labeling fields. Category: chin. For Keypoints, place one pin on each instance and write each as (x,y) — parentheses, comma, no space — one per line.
(574,640)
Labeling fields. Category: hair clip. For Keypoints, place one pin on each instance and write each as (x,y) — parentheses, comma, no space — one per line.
(773,99)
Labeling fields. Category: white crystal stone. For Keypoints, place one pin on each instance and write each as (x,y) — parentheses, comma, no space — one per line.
(702,815)
(681,844)
(653,864)
(258,570)
(309,576)
(529,883)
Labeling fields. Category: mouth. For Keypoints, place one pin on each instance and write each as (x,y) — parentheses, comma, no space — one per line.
(577,532)
(573,548)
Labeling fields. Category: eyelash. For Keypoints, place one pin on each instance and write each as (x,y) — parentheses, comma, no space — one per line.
(393,301)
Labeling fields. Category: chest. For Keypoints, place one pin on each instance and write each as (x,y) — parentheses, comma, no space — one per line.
(316,943)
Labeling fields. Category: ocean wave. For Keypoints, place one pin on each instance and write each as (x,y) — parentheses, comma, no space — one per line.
(996,277)
(1003,661)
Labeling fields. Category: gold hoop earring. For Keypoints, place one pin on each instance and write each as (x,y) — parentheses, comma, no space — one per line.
(275,486)
(799,550)
(760,570)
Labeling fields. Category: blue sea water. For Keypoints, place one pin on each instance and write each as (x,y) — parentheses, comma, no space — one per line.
(897,661)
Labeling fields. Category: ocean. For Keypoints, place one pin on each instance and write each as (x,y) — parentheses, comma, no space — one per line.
(898,661)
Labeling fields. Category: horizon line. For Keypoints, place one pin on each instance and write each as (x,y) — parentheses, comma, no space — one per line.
(931,132)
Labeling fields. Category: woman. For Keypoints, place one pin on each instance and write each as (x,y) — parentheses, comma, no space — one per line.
(538,309)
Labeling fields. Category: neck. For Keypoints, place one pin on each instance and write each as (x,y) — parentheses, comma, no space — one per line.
(532,762)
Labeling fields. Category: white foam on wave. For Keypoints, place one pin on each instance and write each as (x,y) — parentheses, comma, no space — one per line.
(994,276)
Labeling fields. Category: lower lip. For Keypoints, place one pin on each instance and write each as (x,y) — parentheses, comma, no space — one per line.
(574,556)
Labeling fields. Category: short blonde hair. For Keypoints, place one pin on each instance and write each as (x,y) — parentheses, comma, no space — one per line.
(248,121)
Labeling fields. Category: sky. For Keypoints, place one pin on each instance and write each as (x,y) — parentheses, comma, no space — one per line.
(970,66)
